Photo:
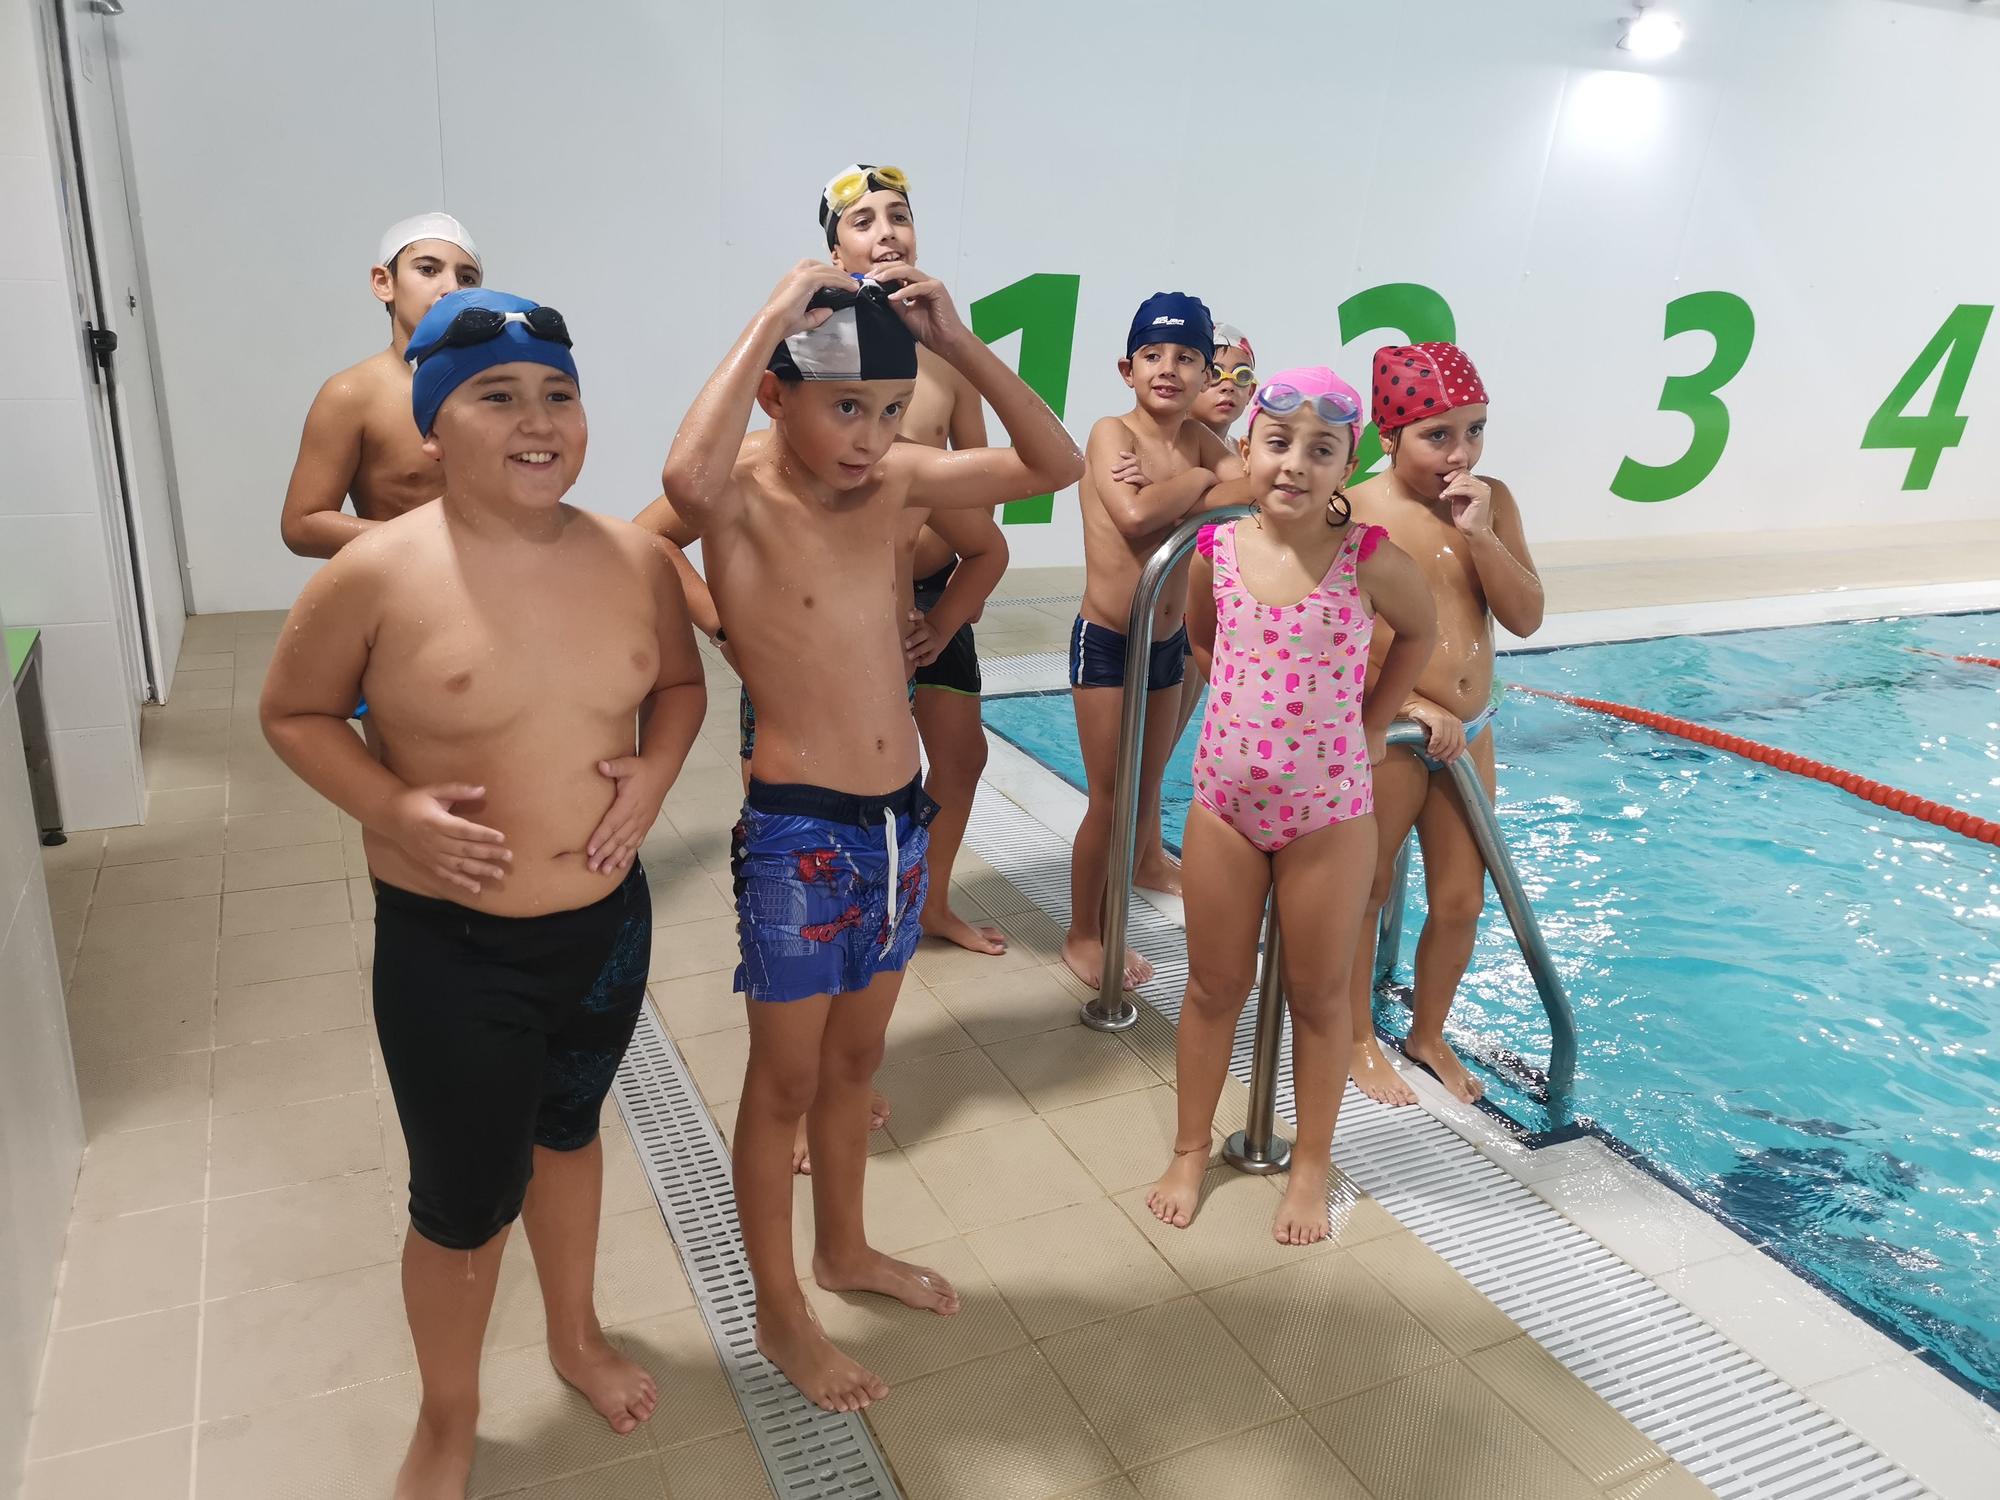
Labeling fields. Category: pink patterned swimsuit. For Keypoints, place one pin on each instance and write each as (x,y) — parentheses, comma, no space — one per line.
(1282,749)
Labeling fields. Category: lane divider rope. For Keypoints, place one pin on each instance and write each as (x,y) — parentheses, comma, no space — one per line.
(1954,819)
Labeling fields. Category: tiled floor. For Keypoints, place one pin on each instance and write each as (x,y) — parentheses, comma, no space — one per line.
(230,1323)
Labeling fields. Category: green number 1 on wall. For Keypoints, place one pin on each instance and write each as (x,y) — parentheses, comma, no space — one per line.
(1042,309)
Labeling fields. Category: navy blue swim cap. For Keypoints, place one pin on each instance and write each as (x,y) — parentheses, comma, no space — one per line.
(1172,318)
(442,368)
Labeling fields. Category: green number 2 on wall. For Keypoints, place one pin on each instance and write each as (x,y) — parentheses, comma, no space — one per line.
(1042,309)
(1421,315)
(1728,318)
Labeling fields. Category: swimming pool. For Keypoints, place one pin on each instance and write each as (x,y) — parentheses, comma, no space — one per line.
(1788,1001)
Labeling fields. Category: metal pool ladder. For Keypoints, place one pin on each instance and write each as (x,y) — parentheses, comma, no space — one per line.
(1258,1147)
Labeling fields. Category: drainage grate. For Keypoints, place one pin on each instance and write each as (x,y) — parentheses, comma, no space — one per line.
(1737,1427)
(810,1454)
(1037,672)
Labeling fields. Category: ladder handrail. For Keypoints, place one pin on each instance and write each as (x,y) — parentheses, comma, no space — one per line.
(1108,1009)
(1520,916)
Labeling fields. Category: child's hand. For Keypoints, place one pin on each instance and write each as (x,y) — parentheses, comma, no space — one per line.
(455,850)
(1129,470)
(1377,737)
(922,301)
(641,787)
(922,645)
(1471,501)
(804,281)
(1446,730)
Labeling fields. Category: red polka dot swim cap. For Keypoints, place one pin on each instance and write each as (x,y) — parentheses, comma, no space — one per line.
(1413,381)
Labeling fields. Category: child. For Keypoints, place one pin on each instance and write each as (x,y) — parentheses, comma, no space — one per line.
(800,541)
(358,439)
(1465,533)
(508,643)
(1145,472)
(1280,614)
(1232,376)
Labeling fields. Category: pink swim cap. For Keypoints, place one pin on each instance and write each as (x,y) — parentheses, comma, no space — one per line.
(1332,398)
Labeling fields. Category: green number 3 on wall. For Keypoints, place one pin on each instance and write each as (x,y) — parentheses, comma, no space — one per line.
(1728,317)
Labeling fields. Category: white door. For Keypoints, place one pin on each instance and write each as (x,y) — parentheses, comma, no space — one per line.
(128,373)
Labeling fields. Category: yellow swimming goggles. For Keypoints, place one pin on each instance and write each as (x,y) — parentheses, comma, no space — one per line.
(849,186)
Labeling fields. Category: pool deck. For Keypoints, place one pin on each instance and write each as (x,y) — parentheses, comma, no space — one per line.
(231,1259)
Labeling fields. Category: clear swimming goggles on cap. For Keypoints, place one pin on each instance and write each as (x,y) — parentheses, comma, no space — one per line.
(1333,408)
(857,181)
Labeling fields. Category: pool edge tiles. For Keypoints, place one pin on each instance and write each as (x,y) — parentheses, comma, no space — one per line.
(1937,1432)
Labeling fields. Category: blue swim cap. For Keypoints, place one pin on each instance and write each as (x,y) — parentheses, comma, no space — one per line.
(442,368)
(1172,318)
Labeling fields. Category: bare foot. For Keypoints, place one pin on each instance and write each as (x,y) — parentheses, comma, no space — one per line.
(953,928)
(878,1116)
(1436,1054)
(1302,1218)
(823,1375)
(439,1461)
(1376,1076)
(1176,1197)
(1085,957)
(913,1286)
(1159,871)
(622,1392)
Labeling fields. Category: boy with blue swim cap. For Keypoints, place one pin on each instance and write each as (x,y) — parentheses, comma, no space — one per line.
(509,644)
(1144,473)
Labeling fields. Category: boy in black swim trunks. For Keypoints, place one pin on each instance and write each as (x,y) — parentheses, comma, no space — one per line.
(800,543)
(508,644)
(1146,472)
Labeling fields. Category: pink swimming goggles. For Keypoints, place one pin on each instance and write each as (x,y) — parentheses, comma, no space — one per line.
(1330,398)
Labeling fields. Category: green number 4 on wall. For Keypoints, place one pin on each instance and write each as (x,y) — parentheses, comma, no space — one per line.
(1956,347)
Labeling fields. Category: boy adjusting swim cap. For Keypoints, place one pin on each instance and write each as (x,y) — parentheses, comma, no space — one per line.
(399,236)
(443,358)
(865,339)
(1414,381)
(1172,318)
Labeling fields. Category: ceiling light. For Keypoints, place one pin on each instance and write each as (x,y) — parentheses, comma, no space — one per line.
(1651,34)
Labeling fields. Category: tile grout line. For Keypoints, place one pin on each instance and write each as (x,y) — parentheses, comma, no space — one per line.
(207,1208)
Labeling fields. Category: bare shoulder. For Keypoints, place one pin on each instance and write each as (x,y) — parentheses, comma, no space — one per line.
(1502,495)
(1112,429)
(384,558)
(1367,499)
(350,391)
(627,539)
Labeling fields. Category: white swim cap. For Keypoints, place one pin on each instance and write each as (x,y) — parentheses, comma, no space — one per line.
(400,236)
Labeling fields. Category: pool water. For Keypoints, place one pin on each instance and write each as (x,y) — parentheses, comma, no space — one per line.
(1788,1000)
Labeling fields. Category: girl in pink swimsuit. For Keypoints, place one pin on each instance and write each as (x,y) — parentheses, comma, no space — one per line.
(1281,610)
